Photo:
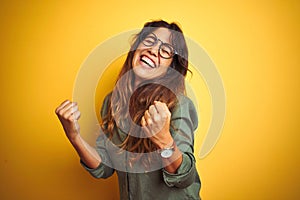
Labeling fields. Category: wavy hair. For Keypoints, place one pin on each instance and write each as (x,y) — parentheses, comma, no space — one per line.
(130,102)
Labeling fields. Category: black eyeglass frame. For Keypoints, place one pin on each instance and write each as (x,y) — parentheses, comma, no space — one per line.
(162,43)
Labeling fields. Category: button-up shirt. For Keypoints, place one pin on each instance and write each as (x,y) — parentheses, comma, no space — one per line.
(137,183)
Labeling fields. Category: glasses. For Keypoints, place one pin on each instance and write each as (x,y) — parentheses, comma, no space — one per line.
(165,50)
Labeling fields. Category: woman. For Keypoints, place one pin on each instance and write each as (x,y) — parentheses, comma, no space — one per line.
(147,121)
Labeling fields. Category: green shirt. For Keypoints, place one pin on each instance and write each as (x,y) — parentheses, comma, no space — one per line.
(158,183)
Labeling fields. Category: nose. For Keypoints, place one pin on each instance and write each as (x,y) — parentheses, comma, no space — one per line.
(154,50)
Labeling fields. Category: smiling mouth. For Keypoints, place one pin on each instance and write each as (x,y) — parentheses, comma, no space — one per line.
(148,61)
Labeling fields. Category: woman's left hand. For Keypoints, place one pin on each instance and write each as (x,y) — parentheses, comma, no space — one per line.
(156,124)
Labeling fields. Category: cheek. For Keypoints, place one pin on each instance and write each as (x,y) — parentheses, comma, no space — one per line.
(166,62)
(135,56)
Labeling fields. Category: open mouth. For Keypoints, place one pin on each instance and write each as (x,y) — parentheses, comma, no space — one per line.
(148,61)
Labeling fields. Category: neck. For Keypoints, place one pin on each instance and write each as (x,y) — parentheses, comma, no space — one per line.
(137,81)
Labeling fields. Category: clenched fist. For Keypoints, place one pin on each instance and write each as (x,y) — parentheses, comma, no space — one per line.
(68,115)
(156,124)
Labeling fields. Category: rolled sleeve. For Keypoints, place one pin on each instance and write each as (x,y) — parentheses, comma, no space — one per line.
(185,175)
(102,171)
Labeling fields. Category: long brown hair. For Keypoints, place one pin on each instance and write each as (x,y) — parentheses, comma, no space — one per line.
(130,102)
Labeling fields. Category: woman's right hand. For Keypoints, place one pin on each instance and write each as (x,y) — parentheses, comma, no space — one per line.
(68,114)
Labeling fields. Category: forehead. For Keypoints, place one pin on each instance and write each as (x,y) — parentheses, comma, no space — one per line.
(163,34)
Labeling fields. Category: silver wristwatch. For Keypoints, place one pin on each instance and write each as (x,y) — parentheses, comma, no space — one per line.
(167,152)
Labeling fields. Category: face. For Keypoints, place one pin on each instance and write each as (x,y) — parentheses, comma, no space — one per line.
(147,62)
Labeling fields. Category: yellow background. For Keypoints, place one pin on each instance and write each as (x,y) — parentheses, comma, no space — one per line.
(254,44)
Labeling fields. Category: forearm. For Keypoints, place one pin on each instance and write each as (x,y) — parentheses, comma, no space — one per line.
(68,115)
(87,154)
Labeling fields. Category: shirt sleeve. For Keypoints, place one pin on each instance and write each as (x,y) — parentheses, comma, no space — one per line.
(105,169)
(102,171)
(184,121)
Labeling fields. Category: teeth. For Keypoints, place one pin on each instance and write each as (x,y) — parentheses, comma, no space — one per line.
(148,61)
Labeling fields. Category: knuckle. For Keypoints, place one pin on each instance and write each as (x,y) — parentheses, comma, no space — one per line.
(147,114)
(149,122)
(151,108)
(60,113)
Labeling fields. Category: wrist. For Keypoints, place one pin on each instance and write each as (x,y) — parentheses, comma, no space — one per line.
(166,143)
(75,139)
(167,151)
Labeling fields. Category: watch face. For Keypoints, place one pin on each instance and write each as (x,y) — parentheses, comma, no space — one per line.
(166,153)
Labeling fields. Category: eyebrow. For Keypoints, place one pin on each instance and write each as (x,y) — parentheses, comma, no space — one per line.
(163,41)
